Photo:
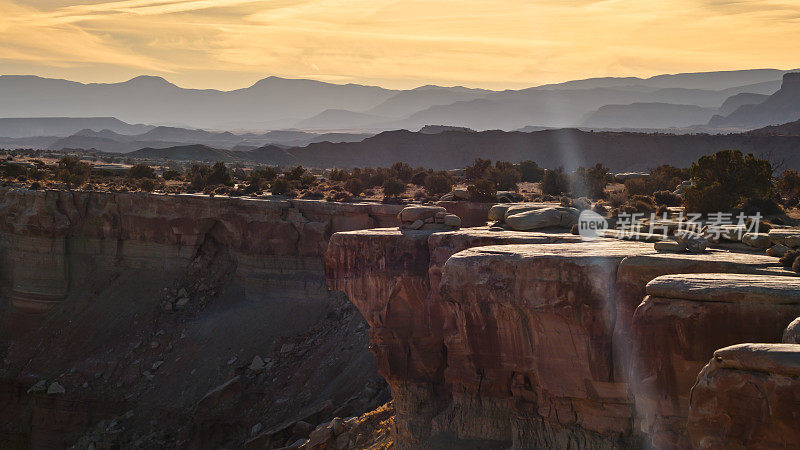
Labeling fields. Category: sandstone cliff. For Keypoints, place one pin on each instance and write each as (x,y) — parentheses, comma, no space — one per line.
(142,305)
(531,340)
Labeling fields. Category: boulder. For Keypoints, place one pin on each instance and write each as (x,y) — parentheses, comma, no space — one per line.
(582,203)
(779,235)
(509,196)
(460,194)
(777,250)
(498,212)
(436,227)
(791,335)
(669,246)
(321,438)
(759,240)
(257,364)
(533,219)
(452,220)
(56,388)
(694,242)
(792,241)
(414,213)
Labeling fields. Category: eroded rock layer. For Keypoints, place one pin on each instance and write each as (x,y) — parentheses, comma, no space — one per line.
(525,339)
(201,317)
(748,396)
(679,325)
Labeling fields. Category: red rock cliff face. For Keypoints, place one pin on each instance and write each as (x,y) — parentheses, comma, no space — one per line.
(47,236)
(526,345)
(148,302)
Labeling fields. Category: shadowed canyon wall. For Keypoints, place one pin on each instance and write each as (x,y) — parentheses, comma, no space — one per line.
(146,304)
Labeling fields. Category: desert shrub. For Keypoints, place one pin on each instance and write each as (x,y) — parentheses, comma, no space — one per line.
(402,171)
(482,190)
(788,186)
(418,179)
(73,171)
(638,207)
(354,186)
(393,187)
(597,178)
(295,173)
(307,180)
(438,183)
(637,186)
(662,178)
(555,182)
(147,185)
(338,175)
(727,179)
(505,176)
(171,174)
(478,169)
(667,198)
(219,175)
(529,171)
(140,171)
(764,206)
(13,170)
(37,173)
(197,176)
(280,186)
(665,178)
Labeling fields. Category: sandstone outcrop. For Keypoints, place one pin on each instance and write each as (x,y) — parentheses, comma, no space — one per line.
(146,303)
(747,397)
(682,321)
(522,342)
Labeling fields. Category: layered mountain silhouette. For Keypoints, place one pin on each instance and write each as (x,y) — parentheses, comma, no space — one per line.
(107,140)
(63,126)
(279,103)
(786,129)
(570,148)
(781,107)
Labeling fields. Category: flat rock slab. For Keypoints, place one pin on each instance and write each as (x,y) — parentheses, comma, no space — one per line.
(783,359)
(746,397)
(727,287)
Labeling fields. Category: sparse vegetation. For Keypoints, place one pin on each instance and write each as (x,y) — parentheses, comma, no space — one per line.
(555,182)
(727,180)
(140,171)
(73,171)
(438,183)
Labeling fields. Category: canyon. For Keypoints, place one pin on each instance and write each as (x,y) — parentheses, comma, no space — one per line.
(188,321)
(174,320)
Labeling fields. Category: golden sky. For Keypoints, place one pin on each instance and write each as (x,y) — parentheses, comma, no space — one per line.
(228,44)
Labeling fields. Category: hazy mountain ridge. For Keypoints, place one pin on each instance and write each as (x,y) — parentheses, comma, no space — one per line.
(162,137)
(781,107)
(280,103)
(621,151)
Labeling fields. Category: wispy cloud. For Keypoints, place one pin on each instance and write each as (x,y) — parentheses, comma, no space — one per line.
(506,43)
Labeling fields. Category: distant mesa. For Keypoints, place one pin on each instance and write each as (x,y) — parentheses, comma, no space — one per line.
(648,115)
(435,129)
(781,107)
